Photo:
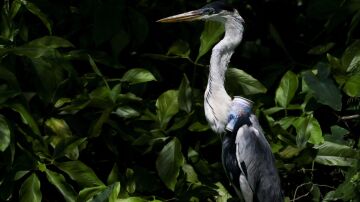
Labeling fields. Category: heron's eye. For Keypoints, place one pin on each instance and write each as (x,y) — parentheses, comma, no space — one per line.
(209,11)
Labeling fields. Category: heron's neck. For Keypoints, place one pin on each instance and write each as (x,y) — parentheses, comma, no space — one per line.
(217,101)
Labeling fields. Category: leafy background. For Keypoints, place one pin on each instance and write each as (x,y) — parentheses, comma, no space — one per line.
(98,102)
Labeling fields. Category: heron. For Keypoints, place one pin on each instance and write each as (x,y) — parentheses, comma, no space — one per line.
(246,154)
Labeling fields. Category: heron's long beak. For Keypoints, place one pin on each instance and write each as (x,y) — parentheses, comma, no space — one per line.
(188,16)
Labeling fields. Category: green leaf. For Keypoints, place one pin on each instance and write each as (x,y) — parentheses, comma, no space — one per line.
(334,154)
(324,89)
(89,192)
(26,117)
(290,152)
(58,180)
(167,106)
(113,175)
(138,75)
(351,57)
(198,127)
(80,173)
(321,49)
(210,35)
(336,161)
(50,42)
(287,89)
(224,194)
(68,146)
(308,130)
(126,112)
(109,194)
(185,95)
(179,48)
(190,173)
(132,199)
(96,129)
(30,190)
(58,126)
(4,134)
(14,9)
(241,82)
(352,85)
(168,163)
(37,12)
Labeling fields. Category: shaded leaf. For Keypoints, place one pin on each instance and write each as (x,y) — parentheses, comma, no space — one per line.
(4,134)
(191,175)
(138,75)
(321,49)
(179,48)
(113,175)
(109,194)
(30,189)
(26,117)
(351,57)
(167,106)
(80,173)
(132,199)
(287,89)
(335,161)
(210,35)
(241,82)
(168,163)
(198,127)
(50,42)
(89,192)
(325,91)
(68,146)
(185,95)
(58,180)
(37,12)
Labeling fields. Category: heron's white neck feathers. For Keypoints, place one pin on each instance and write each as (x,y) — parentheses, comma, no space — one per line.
(216,100)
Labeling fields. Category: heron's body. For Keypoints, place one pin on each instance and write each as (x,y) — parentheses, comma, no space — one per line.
(246,154)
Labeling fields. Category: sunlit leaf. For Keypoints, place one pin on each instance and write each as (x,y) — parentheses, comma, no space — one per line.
(241,82)
(126,112)
(185,95)
(58,126)
(224,194)
(4,134)
(30,189)
(191,175)
(58,180)
(287,89)
(138,75)
(168,163)
(132,199)
(352,85)
(80,173)
(210,35)
(167,106)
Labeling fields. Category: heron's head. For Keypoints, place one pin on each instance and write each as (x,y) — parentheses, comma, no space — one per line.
(215,11)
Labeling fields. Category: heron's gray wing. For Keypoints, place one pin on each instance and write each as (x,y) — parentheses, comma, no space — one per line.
(257,163)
